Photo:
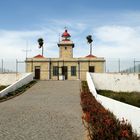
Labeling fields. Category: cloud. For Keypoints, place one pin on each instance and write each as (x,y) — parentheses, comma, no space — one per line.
(118,41)
(115,34)
(12,43)
(111,41)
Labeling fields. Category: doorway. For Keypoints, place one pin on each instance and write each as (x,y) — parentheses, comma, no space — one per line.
(37,72)
(91,69)
(65,72)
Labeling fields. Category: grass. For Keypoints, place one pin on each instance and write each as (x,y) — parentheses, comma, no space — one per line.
(132,98)
(2,87)
(17,92)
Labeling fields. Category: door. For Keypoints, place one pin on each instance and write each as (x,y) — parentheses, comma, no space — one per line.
(37,72)
(65,72)
(91,69)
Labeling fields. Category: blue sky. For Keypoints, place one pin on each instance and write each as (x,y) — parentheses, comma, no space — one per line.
(27,14)
(114,24)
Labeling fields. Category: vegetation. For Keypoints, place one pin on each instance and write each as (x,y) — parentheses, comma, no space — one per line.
(100,123)
(132,98)
(2,87)
(17,92)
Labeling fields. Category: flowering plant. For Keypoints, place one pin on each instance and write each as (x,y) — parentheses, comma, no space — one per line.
(100,123)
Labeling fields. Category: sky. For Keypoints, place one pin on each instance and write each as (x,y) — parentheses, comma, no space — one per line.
(113,24)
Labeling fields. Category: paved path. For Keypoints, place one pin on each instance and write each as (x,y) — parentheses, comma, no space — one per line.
(50,110)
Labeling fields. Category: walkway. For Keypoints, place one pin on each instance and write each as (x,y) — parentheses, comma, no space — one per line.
(50,110)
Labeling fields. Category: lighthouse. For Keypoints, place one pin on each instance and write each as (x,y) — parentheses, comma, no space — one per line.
(66,46)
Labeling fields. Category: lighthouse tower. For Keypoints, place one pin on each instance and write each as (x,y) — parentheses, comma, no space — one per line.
(65,46)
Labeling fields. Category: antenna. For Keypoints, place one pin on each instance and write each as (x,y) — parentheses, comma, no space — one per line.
(65,28)
(59,37)
(26,50)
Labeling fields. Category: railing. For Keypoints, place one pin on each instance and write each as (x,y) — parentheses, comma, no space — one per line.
(122,65)
(12,66)
(111,65)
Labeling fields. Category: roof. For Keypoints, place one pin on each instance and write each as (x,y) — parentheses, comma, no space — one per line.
(91,56)
(39,56)
(66,34)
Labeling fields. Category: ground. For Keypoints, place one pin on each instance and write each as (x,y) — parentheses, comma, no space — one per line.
(50,110)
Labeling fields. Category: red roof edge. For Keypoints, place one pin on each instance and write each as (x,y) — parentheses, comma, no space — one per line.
(39,56)
(91,56)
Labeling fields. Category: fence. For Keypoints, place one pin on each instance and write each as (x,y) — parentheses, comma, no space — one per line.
(122,65)
(111,65)
(12,66)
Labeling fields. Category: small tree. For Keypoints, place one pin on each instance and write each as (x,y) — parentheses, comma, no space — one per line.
(89,40)
(41,42)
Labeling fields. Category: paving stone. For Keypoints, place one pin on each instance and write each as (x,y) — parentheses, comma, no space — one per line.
(50,110)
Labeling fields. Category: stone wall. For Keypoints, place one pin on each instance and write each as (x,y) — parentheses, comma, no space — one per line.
(82,66)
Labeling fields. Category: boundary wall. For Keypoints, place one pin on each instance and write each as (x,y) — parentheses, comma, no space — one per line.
(117,81)
(28,77)
(121,110)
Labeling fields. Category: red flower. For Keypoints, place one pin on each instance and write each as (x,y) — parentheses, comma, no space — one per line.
(86,116)
(124,133)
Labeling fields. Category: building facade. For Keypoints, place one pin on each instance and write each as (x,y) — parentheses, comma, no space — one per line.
(66,67)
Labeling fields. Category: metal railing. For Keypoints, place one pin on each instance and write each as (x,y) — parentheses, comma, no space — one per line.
(111,65)
(11,66)
(122,65)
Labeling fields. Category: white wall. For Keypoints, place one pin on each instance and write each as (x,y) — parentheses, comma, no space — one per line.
(9,78)
(121,110)
(28,77)
(117,81)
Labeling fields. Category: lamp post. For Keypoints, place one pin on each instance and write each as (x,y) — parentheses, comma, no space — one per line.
(90,40)
(41,42)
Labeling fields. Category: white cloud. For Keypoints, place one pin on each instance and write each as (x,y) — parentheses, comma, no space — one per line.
(115,33)
(110,41)
(12,43)
(118,41)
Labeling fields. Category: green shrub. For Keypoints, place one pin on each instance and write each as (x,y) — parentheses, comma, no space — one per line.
(18,91)
(2,87)
(132,98)
(122,99)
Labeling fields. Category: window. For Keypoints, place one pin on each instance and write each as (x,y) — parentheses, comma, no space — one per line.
(73,70)
(91,69)
(55,70)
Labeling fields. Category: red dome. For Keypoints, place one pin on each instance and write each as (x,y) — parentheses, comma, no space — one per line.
(66,34)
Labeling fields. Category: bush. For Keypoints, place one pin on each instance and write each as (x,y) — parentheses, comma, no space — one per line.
(17,92)
(132,98)
(101,123)
(2,87)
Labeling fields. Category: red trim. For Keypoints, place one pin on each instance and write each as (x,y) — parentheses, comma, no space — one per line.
(91,56)
(39,56)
